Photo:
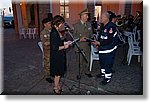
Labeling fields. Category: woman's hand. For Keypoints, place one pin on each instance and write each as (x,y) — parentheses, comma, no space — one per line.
(69,42)
(66,44)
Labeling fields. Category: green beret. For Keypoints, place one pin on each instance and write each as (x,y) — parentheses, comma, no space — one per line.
(45,20)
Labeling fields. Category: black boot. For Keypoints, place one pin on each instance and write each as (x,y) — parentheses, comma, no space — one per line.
(89,75)
(100,75)
(106,81)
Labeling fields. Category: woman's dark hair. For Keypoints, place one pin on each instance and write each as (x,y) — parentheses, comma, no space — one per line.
(57,20)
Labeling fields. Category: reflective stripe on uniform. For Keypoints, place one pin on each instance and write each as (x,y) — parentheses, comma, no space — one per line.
(108,51)
(104,37)
(115,34)
(103,71)
(108,75)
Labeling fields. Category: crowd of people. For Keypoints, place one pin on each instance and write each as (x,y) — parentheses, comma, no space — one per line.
(55,45)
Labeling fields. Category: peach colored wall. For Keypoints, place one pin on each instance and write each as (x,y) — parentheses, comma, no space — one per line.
(28,13)
(55,7)
(24,15)
(43,12)
(75,9)
(36,17)
(121,9)
(15,19)
(137,7)
(114,7)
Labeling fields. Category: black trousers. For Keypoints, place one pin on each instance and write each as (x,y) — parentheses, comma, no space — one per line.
(107,61)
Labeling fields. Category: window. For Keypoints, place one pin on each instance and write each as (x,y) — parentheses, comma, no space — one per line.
(98,12)
(64,8)
(98,8)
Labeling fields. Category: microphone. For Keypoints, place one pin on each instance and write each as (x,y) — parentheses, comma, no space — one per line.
(67,27)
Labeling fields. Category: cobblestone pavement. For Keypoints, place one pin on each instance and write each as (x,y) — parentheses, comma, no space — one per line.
(23,72)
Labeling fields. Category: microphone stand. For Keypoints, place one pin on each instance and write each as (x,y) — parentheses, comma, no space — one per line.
(79,70)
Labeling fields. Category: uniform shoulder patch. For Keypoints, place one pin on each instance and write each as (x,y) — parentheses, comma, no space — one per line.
(105,30)
(110,31)
(45,35)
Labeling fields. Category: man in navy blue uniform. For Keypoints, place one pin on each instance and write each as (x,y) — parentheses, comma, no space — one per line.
(107,45)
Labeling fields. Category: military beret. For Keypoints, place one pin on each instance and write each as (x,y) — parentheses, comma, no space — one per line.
(84,12)
(45,20)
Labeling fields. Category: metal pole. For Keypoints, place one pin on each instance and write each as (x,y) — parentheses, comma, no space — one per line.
(64,9)
(3,14)
(38,20)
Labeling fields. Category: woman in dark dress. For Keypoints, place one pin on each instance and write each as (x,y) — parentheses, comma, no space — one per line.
(57,52)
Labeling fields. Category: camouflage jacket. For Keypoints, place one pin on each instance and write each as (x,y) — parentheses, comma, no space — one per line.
(45,37)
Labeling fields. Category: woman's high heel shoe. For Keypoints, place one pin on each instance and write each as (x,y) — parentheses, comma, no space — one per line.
(57,91)
(60,89)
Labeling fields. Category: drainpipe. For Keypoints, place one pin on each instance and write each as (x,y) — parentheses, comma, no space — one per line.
(38,20)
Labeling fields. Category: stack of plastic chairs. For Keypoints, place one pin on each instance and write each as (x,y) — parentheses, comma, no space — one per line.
(94,55)
(33,33)
(22,33)
(134,48)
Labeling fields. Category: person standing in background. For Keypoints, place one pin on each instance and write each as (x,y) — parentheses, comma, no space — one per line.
(45,38)
(94,25)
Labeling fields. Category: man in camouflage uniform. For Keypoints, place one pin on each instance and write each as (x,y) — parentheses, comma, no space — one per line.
(45,37)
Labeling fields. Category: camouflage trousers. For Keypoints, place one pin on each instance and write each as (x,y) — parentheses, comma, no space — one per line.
(47,65)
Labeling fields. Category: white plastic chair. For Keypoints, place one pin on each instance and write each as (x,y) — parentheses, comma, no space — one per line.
(136,36)
(41,48)
(133,49)
(22,33)
(33,33)
(96,36)
(135,31)
(135,41)
(40,45)
(93,56)
(28,33)
(139,35)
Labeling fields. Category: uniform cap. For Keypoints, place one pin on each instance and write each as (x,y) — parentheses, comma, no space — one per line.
(84,12)
(111,14)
